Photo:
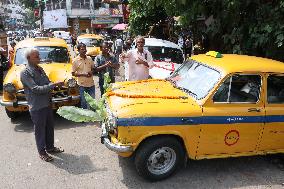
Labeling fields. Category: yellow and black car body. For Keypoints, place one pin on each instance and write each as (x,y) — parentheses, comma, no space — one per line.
(93,43)
(213,106)
(57,64)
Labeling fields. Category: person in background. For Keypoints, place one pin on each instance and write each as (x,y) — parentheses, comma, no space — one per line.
(139,61)
(127,44)
(73,41)
(118,46)
(188,47)
(105,62)
(3,60)
(11,53)
(37,88)
(82,68)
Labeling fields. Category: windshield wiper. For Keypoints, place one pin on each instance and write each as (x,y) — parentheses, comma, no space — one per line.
(171,81)
(45,61)
(188,91)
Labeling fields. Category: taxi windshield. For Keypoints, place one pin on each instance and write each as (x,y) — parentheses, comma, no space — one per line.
(166,54)
(91,42)
(195,78)
(46,54)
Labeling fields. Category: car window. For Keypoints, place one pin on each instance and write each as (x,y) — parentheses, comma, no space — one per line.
(47,54)
(91,42)
(195,78)
(166,54)
(239,88)
(275,89)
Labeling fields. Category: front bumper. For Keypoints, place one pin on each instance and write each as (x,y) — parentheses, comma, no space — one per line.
(25,103)
(111,146)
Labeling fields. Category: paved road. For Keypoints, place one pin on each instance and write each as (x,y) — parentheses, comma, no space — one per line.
(88,164)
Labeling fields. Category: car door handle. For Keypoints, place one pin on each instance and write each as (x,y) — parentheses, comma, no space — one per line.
(187,120)
(253,110)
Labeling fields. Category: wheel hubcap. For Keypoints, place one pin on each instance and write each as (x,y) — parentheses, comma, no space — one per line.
(161,160)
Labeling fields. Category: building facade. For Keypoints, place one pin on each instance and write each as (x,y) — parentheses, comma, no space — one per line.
(88,16)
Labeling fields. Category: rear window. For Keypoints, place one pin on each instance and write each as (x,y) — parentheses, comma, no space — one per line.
(166,54)
(47,54)
(91,42)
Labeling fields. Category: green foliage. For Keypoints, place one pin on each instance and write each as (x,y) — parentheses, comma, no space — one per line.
(78,115)
(97,112)
(28,3)
(97,105)
(107,81)
(239,26)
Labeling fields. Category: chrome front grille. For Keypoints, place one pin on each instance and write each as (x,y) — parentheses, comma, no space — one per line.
(59,93)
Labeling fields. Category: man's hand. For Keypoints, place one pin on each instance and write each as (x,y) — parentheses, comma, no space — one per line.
(140,61)
(89,74)
(58,84)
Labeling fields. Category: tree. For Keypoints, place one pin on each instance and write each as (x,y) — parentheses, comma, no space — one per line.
(253,27)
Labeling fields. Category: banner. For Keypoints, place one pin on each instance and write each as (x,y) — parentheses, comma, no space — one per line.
(55,19)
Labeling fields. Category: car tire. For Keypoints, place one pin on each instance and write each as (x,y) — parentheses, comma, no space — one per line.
(12,115)
(168,150)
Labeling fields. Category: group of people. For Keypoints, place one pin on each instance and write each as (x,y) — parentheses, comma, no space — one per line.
(38,87)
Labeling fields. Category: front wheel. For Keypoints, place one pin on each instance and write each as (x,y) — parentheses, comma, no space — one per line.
(159,157)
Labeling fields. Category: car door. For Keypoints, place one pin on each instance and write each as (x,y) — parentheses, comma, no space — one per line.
(273,132)
(233,117)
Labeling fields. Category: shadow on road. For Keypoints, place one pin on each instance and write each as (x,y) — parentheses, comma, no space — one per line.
(75,165)
(220,173)
(23,123)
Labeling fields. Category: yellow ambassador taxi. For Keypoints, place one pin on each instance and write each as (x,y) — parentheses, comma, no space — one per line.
(213,106)
(57,64)
(93,43)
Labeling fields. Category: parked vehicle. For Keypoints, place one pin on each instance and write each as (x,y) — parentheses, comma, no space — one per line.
(93,43)
(212,106)
(56,62)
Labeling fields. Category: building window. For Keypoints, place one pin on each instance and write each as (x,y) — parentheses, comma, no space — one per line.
(81,4)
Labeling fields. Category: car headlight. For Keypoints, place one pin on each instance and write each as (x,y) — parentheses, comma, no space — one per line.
(72,83)
(10,88)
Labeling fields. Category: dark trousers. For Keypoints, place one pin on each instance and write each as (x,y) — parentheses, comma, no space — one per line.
(101,84)
(44,128)
(1,78)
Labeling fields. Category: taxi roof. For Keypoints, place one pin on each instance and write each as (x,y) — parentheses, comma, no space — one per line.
(44,41)
(90,36)
(231,63)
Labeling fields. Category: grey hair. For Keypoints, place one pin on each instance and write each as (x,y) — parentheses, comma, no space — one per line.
(29,50)
(140,37)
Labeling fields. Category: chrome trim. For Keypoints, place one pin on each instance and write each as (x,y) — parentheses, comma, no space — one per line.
(25,103)
(111,146)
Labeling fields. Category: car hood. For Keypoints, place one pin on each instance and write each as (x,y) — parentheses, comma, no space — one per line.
(56,72)
(150,98)
(93,51)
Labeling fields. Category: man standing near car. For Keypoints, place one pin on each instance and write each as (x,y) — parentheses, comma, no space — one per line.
(82,68)
(105,62)
(3,61)
(139,61)
(38,88)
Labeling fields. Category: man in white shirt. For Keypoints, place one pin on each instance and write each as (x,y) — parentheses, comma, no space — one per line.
(139,61)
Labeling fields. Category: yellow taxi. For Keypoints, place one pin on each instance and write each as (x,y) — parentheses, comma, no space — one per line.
(212,106)
(57,64)
(93,43)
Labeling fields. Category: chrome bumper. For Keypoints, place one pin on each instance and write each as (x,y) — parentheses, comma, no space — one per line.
(25,103)
(111,146)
